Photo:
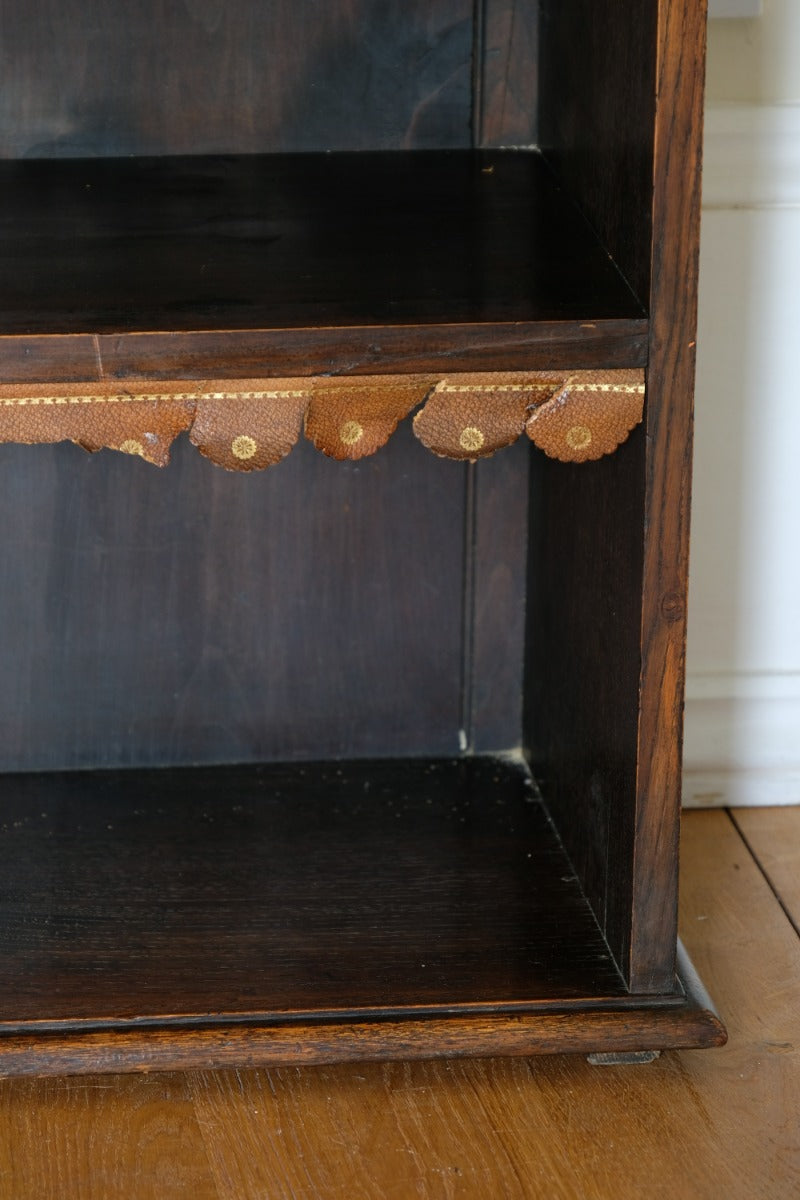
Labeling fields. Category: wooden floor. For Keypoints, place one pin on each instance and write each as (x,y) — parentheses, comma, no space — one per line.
(721,1124)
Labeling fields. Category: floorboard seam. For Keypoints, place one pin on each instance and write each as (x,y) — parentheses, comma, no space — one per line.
(763,871)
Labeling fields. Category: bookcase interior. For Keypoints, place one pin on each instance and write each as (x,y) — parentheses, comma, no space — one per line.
(333,738)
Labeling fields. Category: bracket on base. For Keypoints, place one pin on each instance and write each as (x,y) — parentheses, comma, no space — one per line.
(630,1058)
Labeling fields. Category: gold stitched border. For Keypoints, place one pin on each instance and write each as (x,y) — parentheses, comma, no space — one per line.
(628,389)
(155,397)
(149,397)
(246,449)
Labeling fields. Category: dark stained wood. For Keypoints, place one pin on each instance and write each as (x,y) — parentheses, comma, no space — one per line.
(605,729)
(240,912)
(598,69)
(577,1030)
(71,359)
(294,242)
(350,350)
(389,887)
(582,673)
(700,1125)
(668,426)
(194,616)
(693,1124)
(500,560)
(205,77)
(508,92)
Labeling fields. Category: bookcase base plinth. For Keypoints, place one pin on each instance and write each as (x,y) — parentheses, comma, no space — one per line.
(649,1024)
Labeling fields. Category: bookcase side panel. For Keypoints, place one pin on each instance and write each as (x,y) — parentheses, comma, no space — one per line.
(670,390)
(596,99)
(608,750)
(582,667)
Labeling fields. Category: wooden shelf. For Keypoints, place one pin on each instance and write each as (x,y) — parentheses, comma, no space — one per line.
(272,890)
(303,263)
(250,900)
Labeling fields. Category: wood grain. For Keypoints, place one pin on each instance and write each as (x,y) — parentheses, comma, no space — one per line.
(508,92)
(693,1124)
(499,530)
(396,1131)
(178,264)
(668,435)
(350,350)
(749,956)
(288,894)
(164,246)
(596,118)
(102,1138)
(203,76)
(773,835)
(185,616)
(622,828)
(581,707)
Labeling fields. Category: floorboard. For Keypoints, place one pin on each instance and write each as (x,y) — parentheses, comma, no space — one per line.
(101,1138)
(699,1124)
(702,1124)
(773,835)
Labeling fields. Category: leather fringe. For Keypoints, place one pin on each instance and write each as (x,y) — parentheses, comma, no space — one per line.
(246,425)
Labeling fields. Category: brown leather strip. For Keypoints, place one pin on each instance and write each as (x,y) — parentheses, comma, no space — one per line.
(351,418)
(252,426)
(590,416)
(246,425)
(144,423)
(472,416)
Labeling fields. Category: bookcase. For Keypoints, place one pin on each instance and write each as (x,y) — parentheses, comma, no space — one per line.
(353,749)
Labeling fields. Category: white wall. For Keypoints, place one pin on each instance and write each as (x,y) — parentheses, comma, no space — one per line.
(743,688)
(756,61)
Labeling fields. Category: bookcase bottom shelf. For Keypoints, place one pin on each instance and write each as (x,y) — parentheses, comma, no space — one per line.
(159,919)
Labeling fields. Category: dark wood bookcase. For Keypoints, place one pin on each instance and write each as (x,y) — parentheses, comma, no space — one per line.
(344,759)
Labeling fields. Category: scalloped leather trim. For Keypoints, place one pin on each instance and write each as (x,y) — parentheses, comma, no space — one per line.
(589,417)
(352,418)
(247,425)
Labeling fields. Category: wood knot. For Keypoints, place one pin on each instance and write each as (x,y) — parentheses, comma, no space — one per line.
(672,606)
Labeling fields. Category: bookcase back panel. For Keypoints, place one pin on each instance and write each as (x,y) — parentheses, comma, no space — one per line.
(84,77)
(313,610)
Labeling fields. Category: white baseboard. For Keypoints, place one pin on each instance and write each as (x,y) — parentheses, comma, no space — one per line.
(742,740)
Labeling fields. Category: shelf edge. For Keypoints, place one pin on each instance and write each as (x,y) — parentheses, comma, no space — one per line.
(357,350)
(692,1025)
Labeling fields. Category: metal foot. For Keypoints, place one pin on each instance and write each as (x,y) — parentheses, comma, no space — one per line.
(630,1058)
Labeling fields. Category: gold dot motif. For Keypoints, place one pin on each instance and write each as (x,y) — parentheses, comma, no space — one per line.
(471,438)
(243,446)
(351,432)
(132,447)
(578,437)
